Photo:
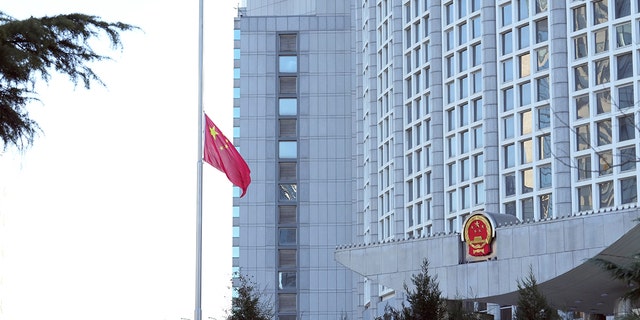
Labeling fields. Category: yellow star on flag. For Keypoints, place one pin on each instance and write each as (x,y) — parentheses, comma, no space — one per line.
(213,132)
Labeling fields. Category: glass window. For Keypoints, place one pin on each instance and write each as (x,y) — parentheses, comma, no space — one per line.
(623,8)
(510,156)
(236,54)
(525,94)
(449,12)
(462,34)
(544,117)
(287,302)
(477,54)
(545,176)
(464,167)
(287,236)
(527,180)
(477,110)
(506,15)
(605,163)
(477,27)
(464,60)
(523,37)
(543,88)
(523,9)
(464,143)
(236,34)
(236,93)
(623,35)
(452,174)
(604,132)
(510,208)
(606,194)
(477,82)
(508,127)
(582,107)
(581,77)
(236,73)
(288,106)
(476,5)
(527,209)
(603,102)
(627,127)
(507,42)
(464,114)
(287,258)
(628,190)
(451,95)
(451,119)
(542,31)
(545,146)
(479,193)
(584,168)
(507,70)
(525,65)
(510,184)
(628,159)
(288,64)
(545,206)
(624,64)
(602,71)
(542,54)
(288,191)
(478,165)
(288,149)
(507,99)
(526,152)
(450,43)
(580,46)
(579,18)
(600,11)
(452,146)
(582,137)
(584,198)
(286,280)
(625,97)
(462,8)
(478,138)
(541,6)
(601,38)
(450,67)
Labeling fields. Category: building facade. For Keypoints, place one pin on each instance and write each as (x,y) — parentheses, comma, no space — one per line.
(412,115)
(293,124)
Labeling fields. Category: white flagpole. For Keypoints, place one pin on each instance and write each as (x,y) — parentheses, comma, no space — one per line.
(198,299)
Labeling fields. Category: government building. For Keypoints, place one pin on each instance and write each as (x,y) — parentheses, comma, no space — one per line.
(491,137)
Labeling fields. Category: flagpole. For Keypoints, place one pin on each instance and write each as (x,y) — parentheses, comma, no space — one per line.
(198,298)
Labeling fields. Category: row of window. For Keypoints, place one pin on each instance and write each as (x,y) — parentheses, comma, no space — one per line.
(287,186)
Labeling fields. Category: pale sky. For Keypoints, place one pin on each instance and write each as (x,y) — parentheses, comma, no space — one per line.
(97,219)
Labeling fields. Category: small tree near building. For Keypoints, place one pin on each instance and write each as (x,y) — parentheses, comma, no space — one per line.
(532,304)
(249,304)
(425,301)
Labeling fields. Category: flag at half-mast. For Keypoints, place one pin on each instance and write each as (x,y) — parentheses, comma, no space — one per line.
(222,155)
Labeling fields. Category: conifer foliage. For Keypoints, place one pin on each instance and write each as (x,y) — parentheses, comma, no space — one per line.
(532,304)
(30,49)
(249,303)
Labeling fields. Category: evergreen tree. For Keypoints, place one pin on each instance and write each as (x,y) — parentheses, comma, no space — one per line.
(30,49)
(532,304)
(425,301)
(629,273)
(248,305)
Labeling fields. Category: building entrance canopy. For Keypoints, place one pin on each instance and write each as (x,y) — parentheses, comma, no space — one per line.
(558,251)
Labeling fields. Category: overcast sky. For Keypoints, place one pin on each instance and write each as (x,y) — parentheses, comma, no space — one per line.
(97,219)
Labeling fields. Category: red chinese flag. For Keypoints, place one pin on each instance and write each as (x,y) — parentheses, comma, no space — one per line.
(220,153)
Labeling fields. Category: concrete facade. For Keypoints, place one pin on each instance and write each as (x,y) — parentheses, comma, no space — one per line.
(412,115)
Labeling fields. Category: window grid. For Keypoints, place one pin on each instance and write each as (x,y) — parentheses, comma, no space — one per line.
(602,36)
(523,42)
